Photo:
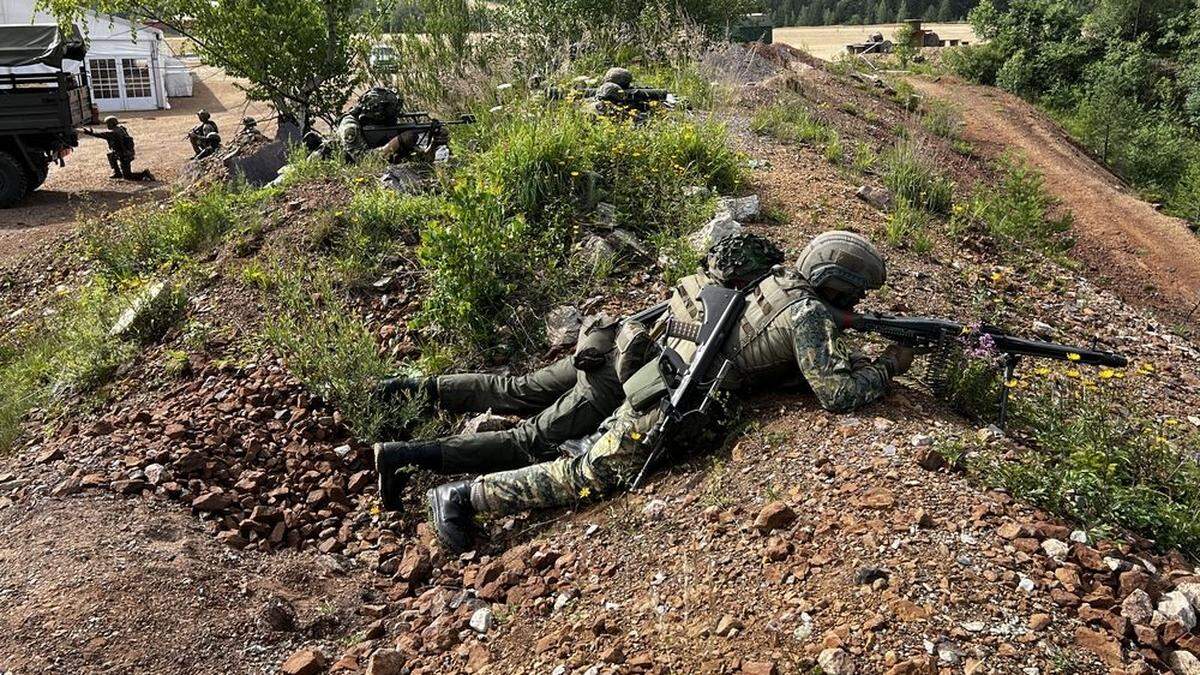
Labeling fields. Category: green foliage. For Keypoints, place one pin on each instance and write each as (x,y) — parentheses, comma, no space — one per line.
(905,45)
(512,211)
(1017,211)
(330,349)
(910,172)
(1096,461)
(789,119)
(376,224)
(942,119)
(68,352)
(293,53)
(977,63)
(906,227)
(139,241)
(1185,200)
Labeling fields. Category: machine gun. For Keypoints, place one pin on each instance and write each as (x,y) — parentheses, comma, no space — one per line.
(416,123)
(689,395)
(944,341)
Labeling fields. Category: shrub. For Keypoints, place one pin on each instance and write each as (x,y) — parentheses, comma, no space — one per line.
(941,119)
(977,63)
(330,350)
(909,171)
(1185,200)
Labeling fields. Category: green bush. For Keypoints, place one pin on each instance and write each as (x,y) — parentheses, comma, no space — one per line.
(1185,200)
(141,240)
(1017,211)
(377,224)
(911,173)
(977,63)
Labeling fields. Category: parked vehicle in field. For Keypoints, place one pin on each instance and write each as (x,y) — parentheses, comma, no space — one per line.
(41,106)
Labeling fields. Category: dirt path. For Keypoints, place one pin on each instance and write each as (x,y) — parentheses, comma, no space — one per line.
(1144,254)
(83,186)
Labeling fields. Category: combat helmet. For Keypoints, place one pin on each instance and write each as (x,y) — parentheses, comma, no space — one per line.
(619,76)
(741,257)
(378,106)
(610,92)
(842,266)
(203,115)
(111,122)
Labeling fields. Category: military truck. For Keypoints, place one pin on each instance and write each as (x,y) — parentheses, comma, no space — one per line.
(41,105)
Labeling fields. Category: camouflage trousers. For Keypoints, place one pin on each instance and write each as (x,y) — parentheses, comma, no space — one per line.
(561,403)
(612,463)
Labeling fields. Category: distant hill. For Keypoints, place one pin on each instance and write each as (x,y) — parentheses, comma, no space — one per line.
(828,12)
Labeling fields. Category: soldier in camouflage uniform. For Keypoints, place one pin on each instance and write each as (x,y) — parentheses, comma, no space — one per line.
(786,328)
(376,106)
(568,400)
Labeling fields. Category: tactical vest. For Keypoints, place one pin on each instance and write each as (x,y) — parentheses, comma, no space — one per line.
(762,346)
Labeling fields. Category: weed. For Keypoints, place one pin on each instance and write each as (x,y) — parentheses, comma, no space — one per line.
(864,158)
(789,119)
(906,227)
(175,362)
(942,119)
(332,352)
(834,152)
(909,171)
(1017,211)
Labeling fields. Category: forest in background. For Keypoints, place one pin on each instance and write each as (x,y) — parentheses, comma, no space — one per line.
(833,12)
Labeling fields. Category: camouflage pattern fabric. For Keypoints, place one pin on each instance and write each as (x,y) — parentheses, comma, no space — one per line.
(350,138)
(611,463)
(839,379)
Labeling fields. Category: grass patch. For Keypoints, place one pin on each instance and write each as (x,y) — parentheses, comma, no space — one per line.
(907,226)
(943,120)
(330,350)
(1017,211)
(141,241)
(1098,462)
(911,173)
(65,354)
(789,119)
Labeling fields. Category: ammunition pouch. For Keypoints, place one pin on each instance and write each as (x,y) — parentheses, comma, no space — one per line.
(635,347)
(645,388)
(596,340)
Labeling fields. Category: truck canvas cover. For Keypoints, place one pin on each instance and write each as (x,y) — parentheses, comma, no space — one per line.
(26,45)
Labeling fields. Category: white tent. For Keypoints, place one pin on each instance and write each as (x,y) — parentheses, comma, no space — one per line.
(126,64)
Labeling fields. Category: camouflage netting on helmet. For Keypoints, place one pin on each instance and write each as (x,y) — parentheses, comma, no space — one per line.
(742,256)
(378,106)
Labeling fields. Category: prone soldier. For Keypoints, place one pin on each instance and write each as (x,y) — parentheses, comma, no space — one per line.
(786,330)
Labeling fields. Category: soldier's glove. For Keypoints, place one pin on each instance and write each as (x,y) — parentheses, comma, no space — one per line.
(901,358)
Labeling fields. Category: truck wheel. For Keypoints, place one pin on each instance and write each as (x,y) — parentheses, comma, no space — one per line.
(14,184)
(41,170)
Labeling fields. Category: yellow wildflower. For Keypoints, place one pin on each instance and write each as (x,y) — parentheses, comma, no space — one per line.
(1042,370)
(574,173)
(635,436)
(585,492)
(1107,373)
(1073,357)
(996,277)
(1072,373)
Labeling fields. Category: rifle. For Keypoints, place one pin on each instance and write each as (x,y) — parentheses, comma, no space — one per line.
(941,338)
(689,395)
(378,135)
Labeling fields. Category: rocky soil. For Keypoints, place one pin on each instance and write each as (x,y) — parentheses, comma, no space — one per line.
(219,517)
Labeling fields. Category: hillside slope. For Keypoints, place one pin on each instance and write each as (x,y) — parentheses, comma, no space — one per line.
(1135,248)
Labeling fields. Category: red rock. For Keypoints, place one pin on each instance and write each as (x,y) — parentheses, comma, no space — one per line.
(1010,531)
(546,643)
(1189,642)
(1039,621)
(1133,580)
(216,500)
(918,665)
(759,668)
(478,657)
(774,516)
(175,431)
(1172,631)
(415,566)
(49,455)
(1064,598)
(613,654)
(1104,646)
(1052,531)
(878,498)
(1147,637)
(386,662)
(1089,558)
(1069,578)
(304,662)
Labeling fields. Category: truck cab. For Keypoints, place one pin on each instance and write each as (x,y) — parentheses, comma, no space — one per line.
(41,105)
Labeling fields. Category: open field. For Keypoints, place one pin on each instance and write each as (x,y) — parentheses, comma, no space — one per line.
(827,42)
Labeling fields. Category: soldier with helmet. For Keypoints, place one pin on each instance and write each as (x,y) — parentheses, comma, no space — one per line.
(201,135)
(378,106)
(121,150)
(786,330)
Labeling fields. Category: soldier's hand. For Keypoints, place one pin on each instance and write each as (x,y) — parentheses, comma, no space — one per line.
(901,356)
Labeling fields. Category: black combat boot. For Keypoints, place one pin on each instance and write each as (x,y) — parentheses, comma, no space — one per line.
(423,388)
(392,460)
(453,515)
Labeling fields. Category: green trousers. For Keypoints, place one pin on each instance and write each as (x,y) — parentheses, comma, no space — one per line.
(560,402)
(612,463)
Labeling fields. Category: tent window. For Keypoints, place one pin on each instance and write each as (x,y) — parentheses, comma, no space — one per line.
(104,78)
(137,77)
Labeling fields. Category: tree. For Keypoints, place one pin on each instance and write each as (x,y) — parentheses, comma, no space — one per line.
(300,55)
(946,11)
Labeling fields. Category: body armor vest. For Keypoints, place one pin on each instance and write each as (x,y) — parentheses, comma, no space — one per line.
(762,347)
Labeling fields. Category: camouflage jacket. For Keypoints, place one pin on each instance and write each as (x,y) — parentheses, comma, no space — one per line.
(787,330)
